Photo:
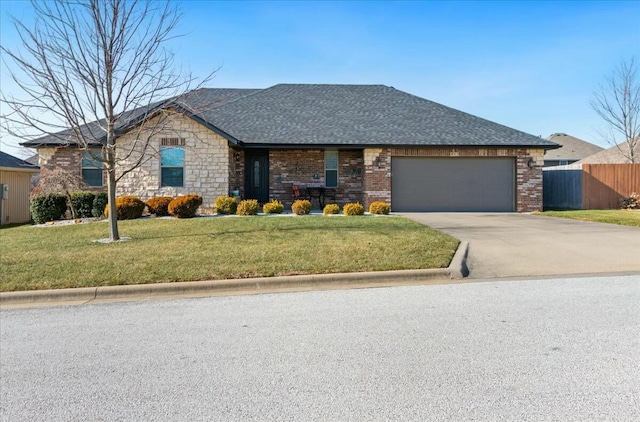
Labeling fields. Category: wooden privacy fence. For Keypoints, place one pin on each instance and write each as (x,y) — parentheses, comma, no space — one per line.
(589,186)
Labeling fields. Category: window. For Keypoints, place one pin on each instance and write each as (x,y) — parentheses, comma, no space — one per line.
(331,169)
(171,166)
(92,168)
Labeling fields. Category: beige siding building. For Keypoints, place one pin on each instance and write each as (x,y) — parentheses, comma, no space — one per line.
(15,186)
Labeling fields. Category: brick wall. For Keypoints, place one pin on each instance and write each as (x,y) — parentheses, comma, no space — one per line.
(69,159)
(236,170)
(377,174)
(302,167)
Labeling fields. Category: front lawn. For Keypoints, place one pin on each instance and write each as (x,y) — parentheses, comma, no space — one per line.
(622,217)
(164,250)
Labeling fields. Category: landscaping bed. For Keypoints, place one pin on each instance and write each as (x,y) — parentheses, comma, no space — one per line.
(621,217)
(165,250)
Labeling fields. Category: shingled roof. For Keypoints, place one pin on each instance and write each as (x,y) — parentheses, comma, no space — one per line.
(345,115)
(11,162)
(617,154)
(571,148)
(192,103)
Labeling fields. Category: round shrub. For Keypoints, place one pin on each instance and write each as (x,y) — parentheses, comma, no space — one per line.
(331,209)
(48,207)
(273,207)
(185,206)
(248,207)
(83,203)
(226,205)
(301,207)
(99,203)
(128,207)
(159,205)
(355,208)
(379,207)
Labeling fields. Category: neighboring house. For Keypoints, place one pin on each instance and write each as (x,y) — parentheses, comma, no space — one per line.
(613,155)
(15,185)
(571,150)
(369,142)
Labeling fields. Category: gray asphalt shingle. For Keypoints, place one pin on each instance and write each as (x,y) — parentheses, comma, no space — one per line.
(10,161)
(345,115)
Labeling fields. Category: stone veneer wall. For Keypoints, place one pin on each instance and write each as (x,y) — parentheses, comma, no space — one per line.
(206,167)
(302,167)
(377,174)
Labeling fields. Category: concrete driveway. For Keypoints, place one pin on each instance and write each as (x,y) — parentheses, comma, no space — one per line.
(509,244)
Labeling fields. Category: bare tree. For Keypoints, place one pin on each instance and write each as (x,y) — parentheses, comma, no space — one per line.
(617,102)
(88,69)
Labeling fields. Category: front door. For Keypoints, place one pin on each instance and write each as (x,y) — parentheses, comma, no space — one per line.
(256,183)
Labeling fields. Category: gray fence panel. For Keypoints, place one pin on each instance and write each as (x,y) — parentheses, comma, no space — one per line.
(562,189)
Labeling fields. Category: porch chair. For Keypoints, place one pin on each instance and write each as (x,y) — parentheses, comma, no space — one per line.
(297,194)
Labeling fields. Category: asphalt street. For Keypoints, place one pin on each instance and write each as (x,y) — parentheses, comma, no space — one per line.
(556,349)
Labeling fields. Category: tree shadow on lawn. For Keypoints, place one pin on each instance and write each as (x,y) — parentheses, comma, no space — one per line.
(373,230)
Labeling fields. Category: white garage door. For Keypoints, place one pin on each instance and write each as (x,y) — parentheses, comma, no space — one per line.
(453,184)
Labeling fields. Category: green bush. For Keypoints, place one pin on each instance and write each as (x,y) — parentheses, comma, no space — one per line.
(226,205)
(83,203)
(379,207)
(331,209)
(159,205)
(273,207)
(353,209)
(248,207)
(99,203)
(185,206)
(301,207)
(128,207)
(48,207)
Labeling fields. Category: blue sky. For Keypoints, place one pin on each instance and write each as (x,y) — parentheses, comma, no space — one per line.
(529,65)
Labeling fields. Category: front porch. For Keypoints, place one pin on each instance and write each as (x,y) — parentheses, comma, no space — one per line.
(271,174)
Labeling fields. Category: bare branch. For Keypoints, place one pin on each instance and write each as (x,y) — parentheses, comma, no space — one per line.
(86,70)
(617,102)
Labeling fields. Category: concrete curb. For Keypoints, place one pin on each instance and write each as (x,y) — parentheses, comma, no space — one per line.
(456,270)
(458,265)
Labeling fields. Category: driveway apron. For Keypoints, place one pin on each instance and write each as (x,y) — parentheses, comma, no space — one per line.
(510,244)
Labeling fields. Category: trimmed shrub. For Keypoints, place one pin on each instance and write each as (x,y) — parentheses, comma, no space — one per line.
(128,207)
(226,205)
(354,208)
(83,203)
(379,207)
(331,209)
(301,207)
(248,207)
(48,207)
(159,205)
(185,206)
(273,207)
(630,203)
(99,204)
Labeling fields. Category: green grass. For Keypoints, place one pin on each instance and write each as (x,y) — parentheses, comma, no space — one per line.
(621,217)
(165,250)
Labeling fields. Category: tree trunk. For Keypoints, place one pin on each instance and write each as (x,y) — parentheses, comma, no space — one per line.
(111,193)
(71,207)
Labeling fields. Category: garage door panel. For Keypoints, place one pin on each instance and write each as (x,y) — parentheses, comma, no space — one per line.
(452,184)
